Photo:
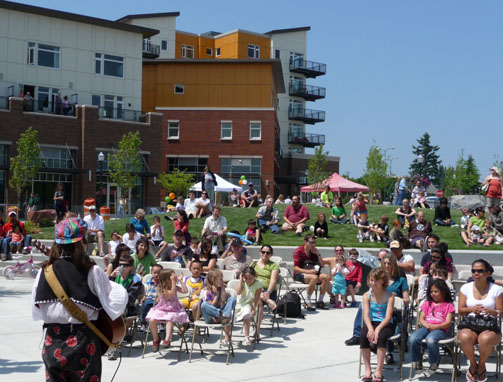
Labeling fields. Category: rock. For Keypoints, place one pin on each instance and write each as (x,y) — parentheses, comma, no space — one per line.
(468,201)
(36,216)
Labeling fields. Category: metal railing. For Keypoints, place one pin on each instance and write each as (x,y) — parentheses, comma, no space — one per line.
(151,50)
(36,106)
(121,114)
(306,139)
(4,102)
(307,67)
(306,115)
(301,89)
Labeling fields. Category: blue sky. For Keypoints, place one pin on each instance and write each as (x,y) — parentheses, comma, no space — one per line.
(395,69)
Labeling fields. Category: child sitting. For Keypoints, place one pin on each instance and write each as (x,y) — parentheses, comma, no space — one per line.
(364,232)
(354,277)
(475,237)
(168,308)
(194,245)
(381,229)
(180,204)
(182,223)
(488,233)
(339,272)
(435,319)
(436,271)
(17,239)
(112,245)
(157,231)
(252,233)
(217,305)
(194,285)
(234,196)
(131,237)
(467,214)
(148,300)
(248,290)
(420,200)
(321,226)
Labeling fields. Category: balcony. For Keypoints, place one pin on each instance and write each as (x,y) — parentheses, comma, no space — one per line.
(309,68)
(306,115)
(150,50)
(121,114)
(308,92)
(4,102)
(306,140)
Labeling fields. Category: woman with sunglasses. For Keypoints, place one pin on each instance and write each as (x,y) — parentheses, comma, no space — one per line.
(203,205)
(481,305)
(267,273)
(438,256)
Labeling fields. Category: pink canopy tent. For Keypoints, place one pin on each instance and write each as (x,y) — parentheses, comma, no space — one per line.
(337,184)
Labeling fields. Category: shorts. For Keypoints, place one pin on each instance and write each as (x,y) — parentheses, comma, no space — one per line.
(186,303)
(273,296)
(92,238)
(492,202)
(299,277)
(384,334)
(416,239)
(351,283)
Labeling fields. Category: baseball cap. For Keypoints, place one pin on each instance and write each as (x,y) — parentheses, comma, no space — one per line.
(92,208)
(237,243)
(394,244)
(70,231)
(250,184)
(13,213)
(178,232)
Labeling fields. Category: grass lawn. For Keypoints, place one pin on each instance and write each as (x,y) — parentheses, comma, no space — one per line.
(344,234)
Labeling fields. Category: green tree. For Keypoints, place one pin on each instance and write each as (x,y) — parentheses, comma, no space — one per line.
(449,182)
(463,178)
(177,182)
(25,165)
(430,164)
(498,162)
(376,172)
(317,170)
(126,163)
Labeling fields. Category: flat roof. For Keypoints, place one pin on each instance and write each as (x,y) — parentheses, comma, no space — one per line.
(146,32)
(276,65)
(288,30)
(215,35)
(147,16)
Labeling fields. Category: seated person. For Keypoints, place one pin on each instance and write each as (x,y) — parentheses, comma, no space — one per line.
(205,256)
(217,225)
(140,223)
(252,233)
(416,190)
(436,271)
(496,216)
(488,233)
(478,221)
(143,259)
(194,284)
(131,237)
(419,230)
(467,214)
(434,241)
(203,205)
(157,231)
(339,215)
(238,260)
(96,231)
(420,200)
(307,266)
(405,213)
(296,215)
(268,217)
(280,200)
(234,198)
(327,197)
(360,206)
(381,229)
(443,214)
(190,205)
(148,300)
(177,252)
(364,229)
(249,197)
(438,256)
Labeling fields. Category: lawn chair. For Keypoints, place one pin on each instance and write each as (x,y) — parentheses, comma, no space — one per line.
(233,284)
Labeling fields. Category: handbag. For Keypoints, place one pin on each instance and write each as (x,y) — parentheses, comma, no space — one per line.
(485,187)
(479,323)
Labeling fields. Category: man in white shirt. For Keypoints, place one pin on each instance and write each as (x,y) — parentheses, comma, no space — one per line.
(96,229)
(190,205)
(218,225)
(405,262)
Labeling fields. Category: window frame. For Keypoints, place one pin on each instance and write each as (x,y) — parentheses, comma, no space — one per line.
(173,138)
(259,123)
(100,61)
(180,86)
(218,52)
(187,48)
(33,54)
(256,51)
(222,127)
(164,43)
(209,52)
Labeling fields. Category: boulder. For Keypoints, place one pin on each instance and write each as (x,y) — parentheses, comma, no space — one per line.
(468,201)
(36,216)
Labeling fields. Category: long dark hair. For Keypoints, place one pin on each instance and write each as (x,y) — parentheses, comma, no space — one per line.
(441,285)
(121,248)
(183,214)
(76,250)
(487,267)
(145,242)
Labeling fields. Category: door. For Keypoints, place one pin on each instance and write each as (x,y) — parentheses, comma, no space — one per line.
(112,198)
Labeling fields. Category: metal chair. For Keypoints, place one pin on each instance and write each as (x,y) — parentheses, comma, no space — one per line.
(170,264)
(228,275)
(233,284)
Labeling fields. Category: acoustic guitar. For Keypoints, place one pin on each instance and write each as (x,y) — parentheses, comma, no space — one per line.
(113,330)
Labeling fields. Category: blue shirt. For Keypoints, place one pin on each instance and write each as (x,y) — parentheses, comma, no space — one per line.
(398,287)
(141,226)
(402,185)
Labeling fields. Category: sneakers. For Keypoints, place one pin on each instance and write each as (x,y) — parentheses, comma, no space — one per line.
(389,360)
(354,304)
(371,239)
(112,355)
(353,341)
(321,305)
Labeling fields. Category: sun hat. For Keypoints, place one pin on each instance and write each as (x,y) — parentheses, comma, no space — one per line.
(70,231)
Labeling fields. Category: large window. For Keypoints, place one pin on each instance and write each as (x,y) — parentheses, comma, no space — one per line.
(43,55)
(192,165)
(232,169)
(164,44)
(226,130)
(56,157)
(3,155)
(109,65)
(255,130)
(173,129)
(253,51)
(187,51)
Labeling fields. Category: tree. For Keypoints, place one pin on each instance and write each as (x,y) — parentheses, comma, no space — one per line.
(463,178)
(430,164)
(126,163)
(498,162)
(25,165)
(375,176)
(317,170)
(177,182)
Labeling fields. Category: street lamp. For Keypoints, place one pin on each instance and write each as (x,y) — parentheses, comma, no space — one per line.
(390,163)
(101,158)
(386,155)
(420,160)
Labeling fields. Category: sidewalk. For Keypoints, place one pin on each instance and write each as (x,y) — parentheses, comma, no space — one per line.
(304,350)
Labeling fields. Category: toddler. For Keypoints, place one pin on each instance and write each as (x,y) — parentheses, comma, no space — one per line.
(234,198)
(488,233)
(194,285)
(364,230)
(17,240)
(321,227)
(475,237)
(157,231)
(252,233)
(168,308)
(436,271)
(354,277)
(248,290)
(131,237)
(339,272)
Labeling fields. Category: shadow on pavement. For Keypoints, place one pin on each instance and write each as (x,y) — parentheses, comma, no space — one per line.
(8,366)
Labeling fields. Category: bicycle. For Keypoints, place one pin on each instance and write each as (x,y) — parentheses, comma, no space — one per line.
(20,268)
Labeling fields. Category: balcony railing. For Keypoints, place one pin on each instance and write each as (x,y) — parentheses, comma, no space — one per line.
(4,102)
(121,114)
(308,92)
(150,50)
(306,140)
(309,68)
(306,115)
(36,106)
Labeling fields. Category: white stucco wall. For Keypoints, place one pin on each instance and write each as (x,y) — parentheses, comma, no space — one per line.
(167,31)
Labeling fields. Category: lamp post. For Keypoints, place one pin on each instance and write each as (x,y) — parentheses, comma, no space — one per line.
(420,160)
(386,155)
(390,164)
(101,158)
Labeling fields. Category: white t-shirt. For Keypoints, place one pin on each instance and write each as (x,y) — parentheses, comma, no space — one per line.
(405,259)
(97,223)
(131,243)
(490,300)
(190,205)
(215,225)
(157,234)
(113,244)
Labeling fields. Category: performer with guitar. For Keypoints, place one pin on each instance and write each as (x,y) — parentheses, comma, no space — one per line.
(71,296)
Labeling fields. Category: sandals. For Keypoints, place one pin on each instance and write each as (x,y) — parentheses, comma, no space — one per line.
(482,377)
(366,379)
(246,342)
(224,342)
(166,343)
(377,379)
(472,376)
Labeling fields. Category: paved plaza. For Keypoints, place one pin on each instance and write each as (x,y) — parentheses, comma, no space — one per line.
(304,350)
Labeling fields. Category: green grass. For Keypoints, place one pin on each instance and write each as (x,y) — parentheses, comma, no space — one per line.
(344,234)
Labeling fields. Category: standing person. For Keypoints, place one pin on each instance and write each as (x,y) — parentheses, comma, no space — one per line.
(249,198)
(208,183)
(96,229)
(327,197)
(59,197)
(67,106)
(355,271)
(395,191)
(32,202)
(59,104)
(268,217)
(67,340)
(218,225)
(494,185)
(402,190)
(339,273)
(296,215)
(414,196)
(122,204)
(28,102)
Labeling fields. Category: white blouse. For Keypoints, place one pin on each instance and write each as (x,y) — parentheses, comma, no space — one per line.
(113,298)
(489,302)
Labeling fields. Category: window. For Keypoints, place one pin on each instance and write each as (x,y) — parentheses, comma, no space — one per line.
(112,107)
(3,155)
(109,65)
(226,130)
(43,55)
(231,169)
(56,158)
(173,129)
(179,89)
(253,51)
(255,130)
(187,51)
(190,165)
(217,52)
(277,54)
(209,51)
(164,45)
(96,100)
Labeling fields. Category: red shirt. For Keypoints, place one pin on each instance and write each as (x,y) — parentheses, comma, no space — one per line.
(355,271)
(296,215)
(300,258)
(7,228)
(494,189)
(182,226)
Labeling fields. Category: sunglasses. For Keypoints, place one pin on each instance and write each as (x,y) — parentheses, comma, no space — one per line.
(478,270)
(265,252)
(436,258)
(312,242)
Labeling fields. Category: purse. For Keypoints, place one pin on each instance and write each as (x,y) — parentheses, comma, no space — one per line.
(479,323)
(485,187)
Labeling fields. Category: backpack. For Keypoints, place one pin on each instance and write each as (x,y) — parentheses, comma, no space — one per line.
(293,306)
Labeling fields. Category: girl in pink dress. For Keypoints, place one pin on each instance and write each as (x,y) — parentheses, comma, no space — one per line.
(168,308)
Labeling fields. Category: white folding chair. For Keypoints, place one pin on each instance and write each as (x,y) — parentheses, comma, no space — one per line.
(170,264)
(228,275)
(220,263)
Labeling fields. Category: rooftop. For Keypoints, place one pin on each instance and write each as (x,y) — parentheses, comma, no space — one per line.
(289,30)
(147,16)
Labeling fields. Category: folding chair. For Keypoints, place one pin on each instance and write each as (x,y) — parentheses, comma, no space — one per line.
(183,271)
(220,263)
(200,324)
(183,341)
(233,284)
(298,287)
(134,321)
(228,275)
(170,264)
